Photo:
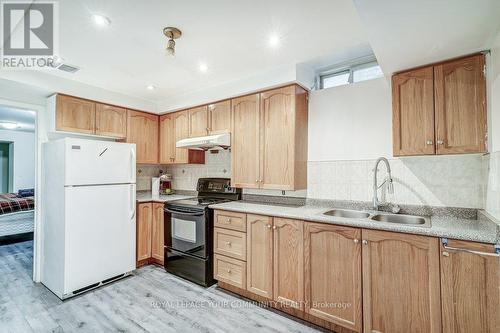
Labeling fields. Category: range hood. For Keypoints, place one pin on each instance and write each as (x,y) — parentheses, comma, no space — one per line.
(218,141)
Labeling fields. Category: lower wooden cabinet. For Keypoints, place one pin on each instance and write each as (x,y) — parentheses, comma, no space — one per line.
(401,288)
(470,287)
(260,255)
(150,233)
(332,273)
(230,271)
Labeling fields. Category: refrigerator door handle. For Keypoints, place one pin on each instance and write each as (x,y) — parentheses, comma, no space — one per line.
(132,202)
(132,165)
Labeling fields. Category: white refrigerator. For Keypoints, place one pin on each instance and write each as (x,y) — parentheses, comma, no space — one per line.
(88,207)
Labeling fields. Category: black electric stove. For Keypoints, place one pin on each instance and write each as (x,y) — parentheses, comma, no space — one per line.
(189,230)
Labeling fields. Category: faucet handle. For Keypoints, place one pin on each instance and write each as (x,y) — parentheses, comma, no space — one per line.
(395,209)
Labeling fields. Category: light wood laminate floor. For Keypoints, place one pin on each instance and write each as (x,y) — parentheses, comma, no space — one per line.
(150,301)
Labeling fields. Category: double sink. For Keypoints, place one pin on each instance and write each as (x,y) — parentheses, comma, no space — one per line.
(411,220)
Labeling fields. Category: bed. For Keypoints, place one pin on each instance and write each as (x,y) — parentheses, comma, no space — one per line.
(16,214)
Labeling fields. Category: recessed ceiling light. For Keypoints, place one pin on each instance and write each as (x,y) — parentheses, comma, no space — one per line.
(151,87)
(8,125)
(101,20)
(274,40)
(203,68)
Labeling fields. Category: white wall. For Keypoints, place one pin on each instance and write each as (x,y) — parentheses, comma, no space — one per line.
(24,157)
(351,122)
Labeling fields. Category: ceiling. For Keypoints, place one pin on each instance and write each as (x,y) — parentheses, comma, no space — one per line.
(24,118)
(230,37)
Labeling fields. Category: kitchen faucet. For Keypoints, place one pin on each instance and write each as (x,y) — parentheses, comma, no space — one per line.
(387,181)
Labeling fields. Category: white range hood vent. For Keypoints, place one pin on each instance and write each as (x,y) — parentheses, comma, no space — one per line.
(218,141)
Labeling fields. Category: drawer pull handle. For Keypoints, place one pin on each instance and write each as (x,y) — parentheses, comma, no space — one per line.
(444,241)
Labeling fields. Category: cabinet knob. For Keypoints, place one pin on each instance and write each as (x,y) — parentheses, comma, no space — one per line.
(229,271)
(274,227)
(429,142)
(268,226)
(356,241)
(228,243)
(440,142)
(228,220)
(365,242)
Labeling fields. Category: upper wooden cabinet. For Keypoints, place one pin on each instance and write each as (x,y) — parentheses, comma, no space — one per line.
(401,287)
(74,115)
(110,121)
(460,99)
(332,256)
(413,112)
(167,139)
(143,131)
(470,287)
(440,109)
(245,142)
(269,139)
(198,121)
(219,117)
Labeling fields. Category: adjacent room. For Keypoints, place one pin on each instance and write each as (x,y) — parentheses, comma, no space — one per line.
(244,166)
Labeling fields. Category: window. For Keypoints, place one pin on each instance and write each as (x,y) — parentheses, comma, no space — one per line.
(350,74)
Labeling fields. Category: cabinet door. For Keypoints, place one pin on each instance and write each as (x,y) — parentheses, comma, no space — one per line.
(401,291)
(461,106)
(470,288)
(157,232)
(245,146)
(75,115)
(143,131)
(278,138)
(288,268)
(110,121)
(167,140)
(144,225)
(260,255)
(332,271)
(413,112)
(181,131)
(219,117)
(198,121)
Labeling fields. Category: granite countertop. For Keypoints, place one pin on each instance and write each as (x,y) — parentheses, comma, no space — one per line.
(146,196)
(481,229)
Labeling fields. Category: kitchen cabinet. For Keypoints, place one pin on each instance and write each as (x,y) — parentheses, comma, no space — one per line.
(142,129)
(198,121)
(157,233)
(401,287)
(269,139)
(110,121)
(219,117)
(470,284)
(440,109)
(260,255)
(74,115)
(144,229)
(167,139)
(460,101)
(288,262)
(332,274)
(413,103)
(150,233)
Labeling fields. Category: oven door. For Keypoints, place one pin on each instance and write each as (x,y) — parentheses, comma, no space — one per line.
(185,231)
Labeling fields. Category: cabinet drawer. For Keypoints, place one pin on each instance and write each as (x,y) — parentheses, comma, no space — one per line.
(230,220)
(231,271)
(230,243)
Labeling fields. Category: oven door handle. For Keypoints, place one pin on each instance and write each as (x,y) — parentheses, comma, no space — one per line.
(183,213)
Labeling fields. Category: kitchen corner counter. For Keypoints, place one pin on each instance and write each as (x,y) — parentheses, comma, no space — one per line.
(480,230)
(146,196)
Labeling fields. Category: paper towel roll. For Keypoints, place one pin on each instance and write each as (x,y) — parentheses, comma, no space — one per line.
(155,187)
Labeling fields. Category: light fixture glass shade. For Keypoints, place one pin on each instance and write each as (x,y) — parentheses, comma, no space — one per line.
(171,47)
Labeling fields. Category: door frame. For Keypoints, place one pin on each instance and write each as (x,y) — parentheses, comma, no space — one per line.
(37,229)
(10,166)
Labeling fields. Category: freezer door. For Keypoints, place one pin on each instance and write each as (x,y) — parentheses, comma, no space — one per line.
(90,162)
(100,234)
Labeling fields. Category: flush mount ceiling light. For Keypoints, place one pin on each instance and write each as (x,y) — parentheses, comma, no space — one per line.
(101,20)
(171,33)
(274,40)
(8,125)
(203,67)
(151,87)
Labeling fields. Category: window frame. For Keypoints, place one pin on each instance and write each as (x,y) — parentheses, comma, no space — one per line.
(351,68)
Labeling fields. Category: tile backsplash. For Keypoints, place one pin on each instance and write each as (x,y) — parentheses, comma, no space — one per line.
(453,181)
(492,191)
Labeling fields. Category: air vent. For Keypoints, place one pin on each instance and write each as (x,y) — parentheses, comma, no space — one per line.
(68,68)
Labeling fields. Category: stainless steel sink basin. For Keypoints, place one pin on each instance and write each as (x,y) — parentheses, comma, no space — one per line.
(402,219)
(351,214)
